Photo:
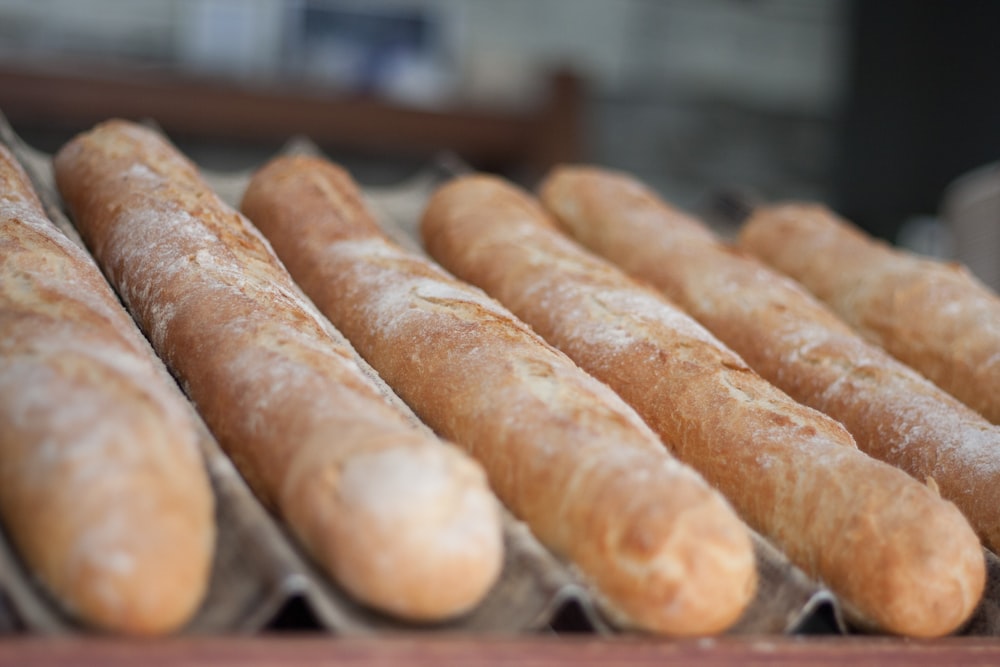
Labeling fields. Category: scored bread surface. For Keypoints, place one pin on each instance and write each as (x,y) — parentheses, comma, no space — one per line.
(900,558)
(402,521)
(664,552)
(103,490)
(933,316)
(790,338)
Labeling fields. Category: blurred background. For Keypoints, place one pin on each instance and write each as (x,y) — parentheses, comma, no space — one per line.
(887,110)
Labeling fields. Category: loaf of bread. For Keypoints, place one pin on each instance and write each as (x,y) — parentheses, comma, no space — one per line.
(663,551)
(933,316)
(103,489)
(402,521)
(790,338)
(902,559)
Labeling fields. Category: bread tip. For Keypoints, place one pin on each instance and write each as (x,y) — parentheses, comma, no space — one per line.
(421,536)
(149,592)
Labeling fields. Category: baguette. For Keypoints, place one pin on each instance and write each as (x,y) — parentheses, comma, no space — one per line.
(902,559)
(403,522)
(664,552)
(103,490)
(791,339)
(933,316)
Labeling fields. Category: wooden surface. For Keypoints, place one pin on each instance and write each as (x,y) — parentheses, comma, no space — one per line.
(73,97)
(439,651)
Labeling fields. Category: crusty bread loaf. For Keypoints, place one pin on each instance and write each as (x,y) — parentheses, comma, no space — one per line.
(933,316)
(790,338)
(402,521)
(102,487)
(901,558)
(664,551)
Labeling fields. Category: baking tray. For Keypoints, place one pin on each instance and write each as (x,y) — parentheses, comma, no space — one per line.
(262,582)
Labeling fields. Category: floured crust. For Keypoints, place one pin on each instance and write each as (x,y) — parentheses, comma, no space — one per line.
(102,487)
(561,449)
(907,420)
(900,558)
(284,398)
(933,316)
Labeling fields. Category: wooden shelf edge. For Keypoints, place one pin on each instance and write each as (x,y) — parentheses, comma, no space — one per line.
(436,651)
(69,96)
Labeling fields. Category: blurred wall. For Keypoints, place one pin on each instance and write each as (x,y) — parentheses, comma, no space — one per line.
(923,107)
(688,94)
(873,107)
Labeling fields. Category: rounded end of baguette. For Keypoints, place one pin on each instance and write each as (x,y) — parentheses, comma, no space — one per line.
(928,575)
(705,578)
(152,589)
(123,532)
(685,567)
(131,556)
(570,193)
(412,528)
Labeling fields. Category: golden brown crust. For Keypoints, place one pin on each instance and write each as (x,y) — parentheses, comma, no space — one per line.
(403,522)
(933,316)
(102,487)
(562,450)
(901,558)
(896,413)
